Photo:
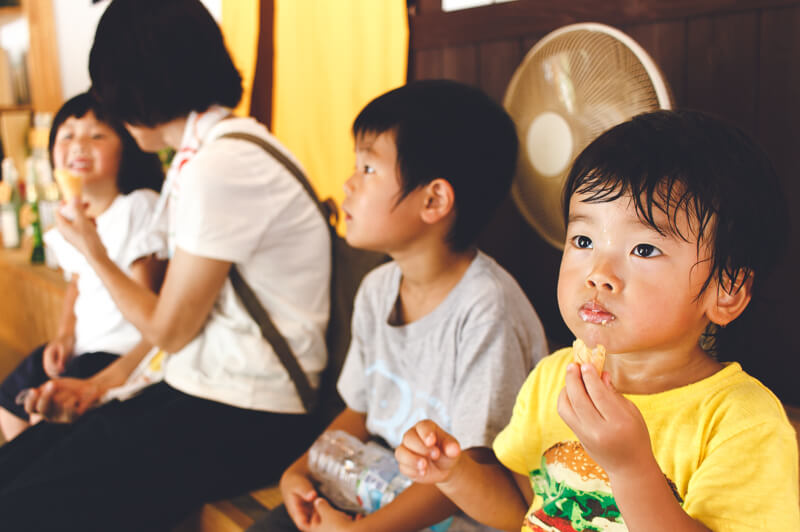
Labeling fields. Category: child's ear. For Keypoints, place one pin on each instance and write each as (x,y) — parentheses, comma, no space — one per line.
(439,201)
(726,306)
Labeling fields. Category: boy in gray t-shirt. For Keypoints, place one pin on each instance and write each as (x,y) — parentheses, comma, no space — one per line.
(442,331)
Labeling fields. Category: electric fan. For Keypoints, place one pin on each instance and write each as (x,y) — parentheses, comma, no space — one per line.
(574,84)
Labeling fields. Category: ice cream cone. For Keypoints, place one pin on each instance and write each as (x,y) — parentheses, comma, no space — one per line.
(70,186)
(69,183)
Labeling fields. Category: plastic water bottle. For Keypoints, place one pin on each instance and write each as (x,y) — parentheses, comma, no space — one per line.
(354,476)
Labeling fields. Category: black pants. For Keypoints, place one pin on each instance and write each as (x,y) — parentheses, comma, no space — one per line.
(142,464)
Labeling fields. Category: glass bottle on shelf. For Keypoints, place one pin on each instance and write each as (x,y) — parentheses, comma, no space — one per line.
(9,206)
(32,197)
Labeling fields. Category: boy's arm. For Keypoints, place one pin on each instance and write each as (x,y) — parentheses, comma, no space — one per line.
(476,482)
(614,434)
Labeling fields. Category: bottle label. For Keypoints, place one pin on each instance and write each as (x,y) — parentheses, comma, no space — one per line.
(371,491)
(380,481)
(10,228)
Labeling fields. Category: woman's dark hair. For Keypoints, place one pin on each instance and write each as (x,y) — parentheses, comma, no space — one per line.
(156,60)
(444,129)
(137,169)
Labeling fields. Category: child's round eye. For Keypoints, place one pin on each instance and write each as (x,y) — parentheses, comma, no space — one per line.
(368,169)
(582,242)
(646,250)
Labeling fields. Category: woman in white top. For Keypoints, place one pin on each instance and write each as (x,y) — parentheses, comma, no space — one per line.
(227,417)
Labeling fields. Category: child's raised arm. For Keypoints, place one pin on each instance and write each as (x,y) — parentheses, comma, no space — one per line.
(614,433)
(473,480)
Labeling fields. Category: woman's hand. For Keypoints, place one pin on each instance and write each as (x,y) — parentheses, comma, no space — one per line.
(63,400)
(56,355)
(610,427)
(81,231)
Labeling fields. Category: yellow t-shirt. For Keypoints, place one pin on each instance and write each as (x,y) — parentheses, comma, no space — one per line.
(724,444)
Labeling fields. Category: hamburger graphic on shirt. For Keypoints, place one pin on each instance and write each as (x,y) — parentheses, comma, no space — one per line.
(573,493)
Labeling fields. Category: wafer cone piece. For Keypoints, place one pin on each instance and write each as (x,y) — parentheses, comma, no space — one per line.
(596,356)
(69,183)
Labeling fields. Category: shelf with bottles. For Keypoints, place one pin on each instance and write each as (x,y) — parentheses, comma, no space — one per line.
(27,208)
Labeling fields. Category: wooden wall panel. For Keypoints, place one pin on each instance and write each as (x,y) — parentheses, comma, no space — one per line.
(43,69)
(261,94)
(427,64)
(666,44)
(778,119)
(722,66)
(461,63)
(778,116)
(497,62)
(435,28)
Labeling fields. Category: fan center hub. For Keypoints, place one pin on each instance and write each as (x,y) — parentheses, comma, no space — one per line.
(549,144)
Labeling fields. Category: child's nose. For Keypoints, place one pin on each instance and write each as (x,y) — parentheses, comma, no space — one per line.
(603,277)
(349,184)
(78,145)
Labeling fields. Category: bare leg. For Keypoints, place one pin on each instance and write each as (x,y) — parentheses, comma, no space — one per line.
(11,425)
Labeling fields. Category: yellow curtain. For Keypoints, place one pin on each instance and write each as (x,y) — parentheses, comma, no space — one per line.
(331,58)
(240,29)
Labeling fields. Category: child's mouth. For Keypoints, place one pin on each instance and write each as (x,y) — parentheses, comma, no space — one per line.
(594,313)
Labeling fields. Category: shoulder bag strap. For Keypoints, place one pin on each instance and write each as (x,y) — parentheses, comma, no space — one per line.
(249,298)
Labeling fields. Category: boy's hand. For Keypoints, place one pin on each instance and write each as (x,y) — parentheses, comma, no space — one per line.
(298,496)
(56,355)
(610,427)
(326,518)
(428,454)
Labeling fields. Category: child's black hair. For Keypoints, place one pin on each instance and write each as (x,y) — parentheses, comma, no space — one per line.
(444,129)
(137,169)
(689,162)
(156,60)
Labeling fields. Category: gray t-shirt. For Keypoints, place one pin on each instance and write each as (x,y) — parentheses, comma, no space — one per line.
(461,365)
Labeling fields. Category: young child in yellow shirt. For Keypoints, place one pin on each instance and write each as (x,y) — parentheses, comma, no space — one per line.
(671,217)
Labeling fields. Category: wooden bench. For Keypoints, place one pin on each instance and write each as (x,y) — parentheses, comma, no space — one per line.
(232,515)
(32,296)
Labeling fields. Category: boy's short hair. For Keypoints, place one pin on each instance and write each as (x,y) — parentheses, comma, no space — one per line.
(444,129)
(688,161)
(137,169)
(156,60)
